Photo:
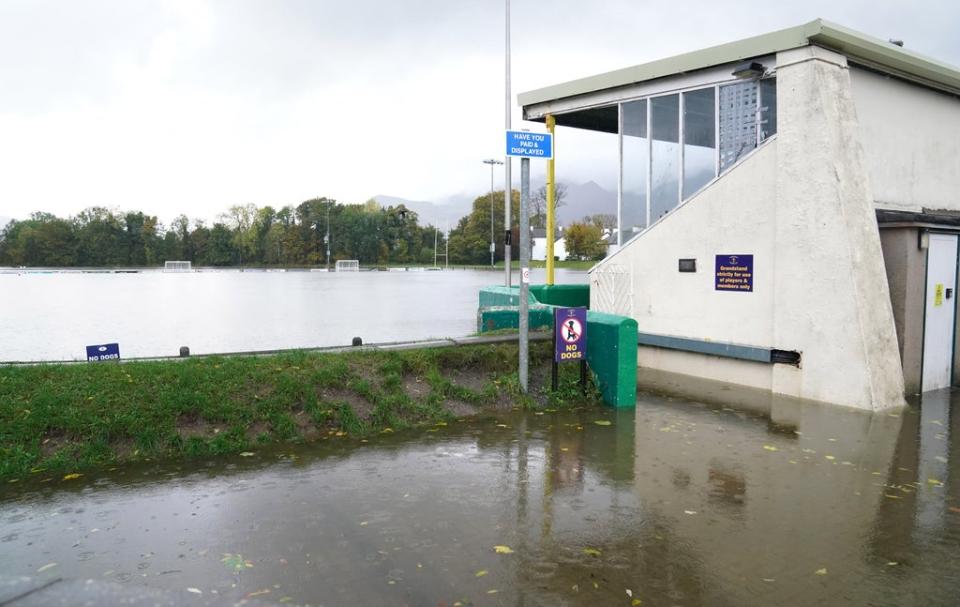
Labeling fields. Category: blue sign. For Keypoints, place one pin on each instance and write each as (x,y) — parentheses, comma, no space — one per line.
(734,273)
(529,145)
(570,334)
(103,352)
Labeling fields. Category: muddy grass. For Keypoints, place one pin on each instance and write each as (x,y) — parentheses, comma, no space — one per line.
(68,417)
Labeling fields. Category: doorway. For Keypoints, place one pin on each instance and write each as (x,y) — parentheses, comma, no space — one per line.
(939,312)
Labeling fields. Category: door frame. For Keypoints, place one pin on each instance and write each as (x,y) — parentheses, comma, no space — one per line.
(956,311)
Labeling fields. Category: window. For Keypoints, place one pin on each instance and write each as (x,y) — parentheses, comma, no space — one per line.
(671,146)
(665,155)
(699,140)
(635,164)
(738,121)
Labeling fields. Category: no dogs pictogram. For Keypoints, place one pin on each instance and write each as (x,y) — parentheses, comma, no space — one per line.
(571,331)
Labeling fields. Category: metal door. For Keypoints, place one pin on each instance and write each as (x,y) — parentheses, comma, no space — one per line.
(940,311)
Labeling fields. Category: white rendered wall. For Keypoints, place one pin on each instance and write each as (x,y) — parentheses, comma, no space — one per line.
(911,142)
(802,205)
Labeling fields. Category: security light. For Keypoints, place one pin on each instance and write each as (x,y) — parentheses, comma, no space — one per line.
(748,69)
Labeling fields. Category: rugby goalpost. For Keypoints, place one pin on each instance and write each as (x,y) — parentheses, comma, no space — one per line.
(347,265)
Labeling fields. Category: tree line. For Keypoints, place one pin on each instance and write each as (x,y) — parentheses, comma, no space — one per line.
(249,235)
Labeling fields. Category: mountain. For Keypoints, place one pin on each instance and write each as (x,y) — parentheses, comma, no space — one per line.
(584,199)
(444,214)
(581,199)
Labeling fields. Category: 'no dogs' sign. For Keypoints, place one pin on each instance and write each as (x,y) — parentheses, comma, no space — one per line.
(570,334)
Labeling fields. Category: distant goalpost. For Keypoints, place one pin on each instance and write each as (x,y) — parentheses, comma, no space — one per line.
(347,265)
(177,266)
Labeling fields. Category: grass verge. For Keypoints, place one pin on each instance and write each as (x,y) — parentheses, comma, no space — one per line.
(61,418)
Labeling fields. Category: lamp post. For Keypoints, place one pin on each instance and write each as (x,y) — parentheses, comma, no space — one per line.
(508,188)
(492,162)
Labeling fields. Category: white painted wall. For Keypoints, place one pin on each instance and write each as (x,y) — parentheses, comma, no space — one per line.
(802,205)
(911,142)
(539,249)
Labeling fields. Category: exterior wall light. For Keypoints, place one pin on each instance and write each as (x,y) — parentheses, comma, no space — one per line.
(748,70)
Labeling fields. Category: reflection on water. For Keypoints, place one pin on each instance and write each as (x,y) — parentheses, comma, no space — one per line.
(676,503)
(53,316)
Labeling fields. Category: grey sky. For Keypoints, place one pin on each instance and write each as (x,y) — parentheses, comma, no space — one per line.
(189,106)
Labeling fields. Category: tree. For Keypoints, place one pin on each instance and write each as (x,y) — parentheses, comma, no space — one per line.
(470,240)
(538,204)
(583,241)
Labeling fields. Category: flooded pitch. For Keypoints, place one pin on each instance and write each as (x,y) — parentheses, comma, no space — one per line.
(676,503)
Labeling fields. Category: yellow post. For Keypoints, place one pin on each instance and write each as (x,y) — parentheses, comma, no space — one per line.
(551,189)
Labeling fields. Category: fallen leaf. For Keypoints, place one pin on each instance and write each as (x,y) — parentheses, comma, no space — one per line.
(72,476)
(770,448)
(953,509)
(236,562)
(45,567)
(602,422)
(934,481)
(246,454)
(829,457)
(769,579)
(892,564)
(591,551)
(195,590)
(821,571)
(629,592)
(492,591)
(503,549)
(636,602)
(258,593)
(689,511)
(481,573)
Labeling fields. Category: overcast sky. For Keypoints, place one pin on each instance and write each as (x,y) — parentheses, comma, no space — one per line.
(190,106)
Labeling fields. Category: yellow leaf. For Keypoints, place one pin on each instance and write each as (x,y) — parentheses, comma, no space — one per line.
(636,602)
(821,571)
(934,481)
(591,551)
(481,573)
(492,591)
(258,593)
(503,549)
(770,448)
(602,422)
(70,477)
(830,457)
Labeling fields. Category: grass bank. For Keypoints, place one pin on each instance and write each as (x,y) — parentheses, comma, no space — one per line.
(64,418)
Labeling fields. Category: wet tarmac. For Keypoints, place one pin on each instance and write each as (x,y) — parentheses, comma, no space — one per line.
(680,502)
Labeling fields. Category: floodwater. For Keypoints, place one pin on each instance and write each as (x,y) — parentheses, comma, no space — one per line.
(676,503)
(52,316)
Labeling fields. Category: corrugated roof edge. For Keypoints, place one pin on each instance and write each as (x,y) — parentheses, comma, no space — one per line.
(873,51)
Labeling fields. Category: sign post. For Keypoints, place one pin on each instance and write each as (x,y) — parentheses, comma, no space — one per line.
(526,145)
(102,352)
(570,341)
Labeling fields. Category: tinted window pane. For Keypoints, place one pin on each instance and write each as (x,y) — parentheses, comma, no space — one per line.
(633,214)
(699,140)
(738,121)
(665,168)
(768,108)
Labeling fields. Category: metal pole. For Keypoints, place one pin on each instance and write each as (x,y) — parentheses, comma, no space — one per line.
(492,247)
(508,188)
(446,248)
(551,193)
(524,324)
(328,237)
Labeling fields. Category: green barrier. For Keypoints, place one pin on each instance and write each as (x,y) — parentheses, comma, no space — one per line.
(612,339)
(612,356)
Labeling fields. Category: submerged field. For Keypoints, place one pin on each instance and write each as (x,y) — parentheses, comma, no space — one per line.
(62,418)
